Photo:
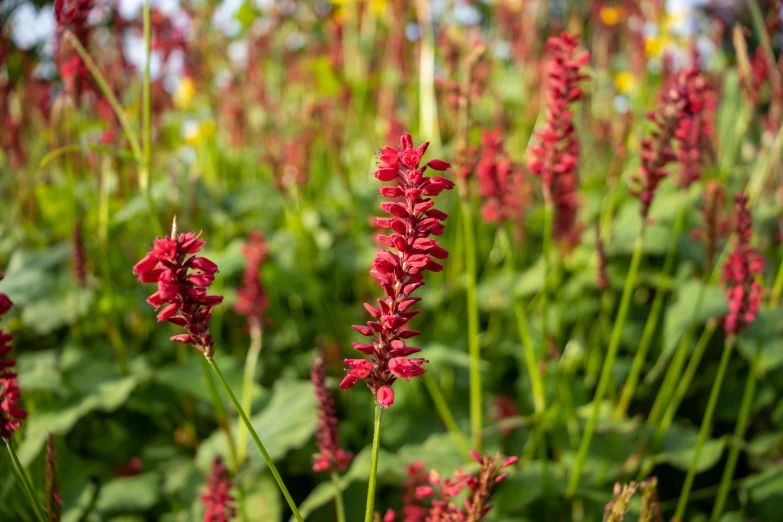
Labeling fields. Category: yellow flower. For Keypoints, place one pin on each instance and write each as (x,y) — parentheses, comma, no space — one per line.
(610,15)
(625,82)
(377,6)
(183,96)
(197,132)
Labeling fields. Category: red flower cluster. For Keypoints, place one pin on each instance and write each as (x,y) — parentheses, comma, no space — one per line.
(11,414)
(744,293)
(251,300)
(331,456)
(72,15)
(400,273)
(500,181)
(674,118)
(182,280)
(695,134)
(555,156)
(421,488)
(218,503)
(715,224)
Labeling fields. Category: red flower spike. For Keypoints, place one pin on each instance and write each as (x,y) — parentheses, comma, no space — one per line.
(428,498)
(251,298)
(400,268)
(744,263)
(695,134)
(184,294)
(330,457)
(557,151)
(11,414)
(218,502)
(501,182)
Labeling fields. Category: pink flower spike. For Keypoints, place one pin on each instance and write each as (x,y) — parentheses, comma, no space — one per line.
(182,294)
(399,269)
(330,456)
(478,457)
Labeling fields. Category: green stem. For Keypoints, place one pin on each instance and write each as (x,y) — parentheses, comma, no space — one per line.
(256,439)
(474,348)
(144,180)
(705,426)
(220,414)
(651,325)
(24,482)
(251,362)
(428,125)
(130,134)
(739,434)
(539,397)
(446,415)
(606,370)
(548,217)
(673,401)
(376,446)
(338,498)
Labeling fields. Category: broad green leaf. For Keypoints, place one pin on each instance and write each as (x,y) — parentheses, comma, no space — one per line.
(129,494)
(287,422)
(679,444)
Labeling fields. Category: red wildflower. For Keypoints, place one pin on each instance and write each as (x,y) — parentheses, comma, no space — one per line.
(11,414)
(218,503)
(251,300)
(54,503)
(715,224)
(182,280)
(672,119)
(400,269)
(500,182)
(503,408)
(331,456)
(695,133)
(72,15)
(444,505)
(744,293)
(555,156)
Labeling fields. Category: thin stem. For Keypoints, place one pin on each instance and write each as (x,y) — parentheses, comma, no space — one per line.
(376,446)
(427,105)
(256,439)
(739,435)
(548,216)
(539,397)
(24,482)
(338,498)
(220,414)
(651,325)
(144,180)
(251,362)
(673,401)
(130,134)
(474,348)
(446,415)
(606,370)
(705,426)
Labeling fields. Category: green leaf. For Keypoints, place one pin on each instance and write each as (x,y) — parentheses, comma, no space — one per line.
(287,422)
(679,444)
(129,494)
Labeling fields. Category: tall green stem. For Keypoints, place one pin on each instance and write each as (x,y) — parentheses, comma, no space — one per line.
(24,482)
(539,397)
(428,123)
(739,435)
(256,439)
(705,426)
(130,134)
(376,446)
(220,414)
(144,179)
(446,415)
(251,362)
(606,370)
(652,322)
(673,401)
(548,217)
(474,348)
(338,498)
